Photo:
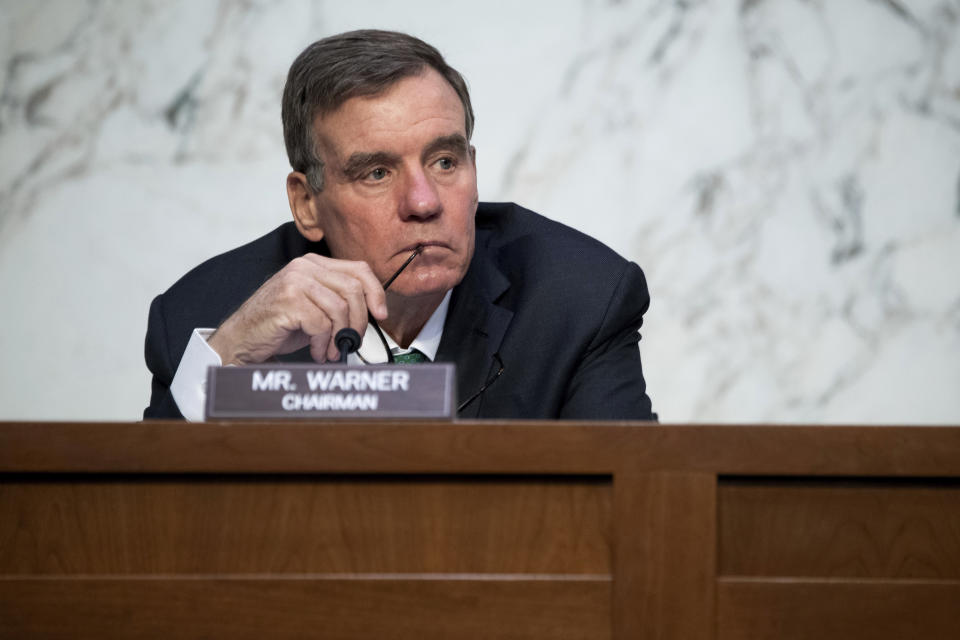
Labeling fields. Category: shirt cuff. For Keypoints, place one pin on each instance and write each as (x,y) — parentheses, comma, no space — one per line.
(189,386)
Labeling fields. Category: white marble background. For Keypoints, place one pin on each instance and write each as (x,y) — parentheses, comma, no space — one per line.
(787,172)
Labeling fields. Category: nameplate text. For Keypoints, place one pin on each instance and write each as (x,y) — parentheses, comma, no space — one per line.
(334,391)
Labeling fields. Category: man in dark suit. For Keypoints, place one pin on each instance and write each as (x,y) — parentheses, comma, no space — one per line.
(541,320)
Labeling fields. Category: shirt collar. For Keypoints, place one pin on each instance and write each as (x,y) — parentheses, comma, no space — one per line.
(427,341)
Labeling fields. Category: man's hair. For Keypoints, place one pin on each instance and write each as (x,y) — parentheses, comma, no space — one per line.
(357,63)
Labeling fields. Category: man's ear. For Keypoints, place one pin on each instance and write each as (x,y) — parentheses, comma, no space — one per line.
(304,206)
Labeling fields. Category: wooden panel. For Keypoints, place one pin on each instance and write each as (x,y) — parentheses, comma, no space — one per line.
(664,555)
(285,608)
(277,524)
(480,447)
(661,525)
(304,447)
(870,529)
(837,610)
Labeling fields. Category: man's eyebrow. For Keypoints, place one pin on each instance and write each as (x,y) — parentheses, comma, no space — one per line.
(454,142)
(361,160)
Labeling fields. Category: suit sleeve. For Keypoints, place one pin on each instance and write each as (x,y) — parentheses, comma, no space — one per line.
(157,355)
(608,384)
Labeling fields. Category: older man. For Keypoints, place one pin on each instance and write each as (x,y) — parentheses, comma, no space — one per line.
(541,320)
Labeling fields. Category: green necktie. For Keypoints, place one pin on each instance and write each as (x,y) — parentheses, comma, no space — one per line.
(411,357)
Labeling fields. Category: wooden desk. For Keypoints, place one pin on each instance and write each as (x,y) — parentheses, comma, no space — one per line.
(478,530)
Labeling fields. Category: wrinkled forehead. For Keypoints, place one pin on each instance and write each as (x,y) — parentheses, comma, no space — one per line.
(414,110)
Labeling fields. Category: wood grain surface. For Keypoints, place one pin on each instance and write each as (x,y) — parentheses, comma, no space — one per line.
(818,528)
(664,555)
(312,607)
(479,530)
(290,524)
(479,447)
(757,609)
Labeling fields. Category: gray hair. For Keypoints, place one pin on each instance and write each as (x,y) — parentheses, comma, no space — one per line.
(357,63)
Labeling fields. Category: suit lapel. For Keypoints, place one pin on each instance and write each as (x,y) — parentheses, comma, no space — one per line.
(475,327)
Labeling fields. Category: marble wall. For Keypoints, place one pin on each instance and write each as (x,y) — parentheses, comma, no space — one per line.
(787,172)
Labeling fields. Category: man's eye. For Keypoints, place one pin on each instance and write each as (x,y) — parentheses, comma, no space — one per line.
(446,163)
(377,174)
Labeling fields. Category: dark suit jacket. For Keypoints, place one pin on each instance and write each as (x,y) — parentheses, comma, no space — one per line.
(559,309)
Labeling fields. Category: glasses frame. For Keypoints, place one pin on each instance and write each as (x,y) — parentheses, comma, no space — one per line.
(386,347)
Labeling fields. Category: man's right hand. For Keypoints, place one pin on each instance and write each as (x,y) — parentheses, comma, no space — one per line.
(306,302)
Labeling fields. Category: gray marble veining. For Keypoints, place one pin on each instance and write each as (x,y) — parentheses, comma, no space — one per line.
(787,172)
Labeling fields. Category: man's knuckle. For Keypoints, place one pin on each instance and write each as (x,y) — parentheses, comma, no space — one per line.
(339,306)
(354,288)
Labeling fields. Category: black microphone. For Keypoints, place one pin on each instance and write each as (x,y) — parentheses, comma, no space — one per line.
(348,341)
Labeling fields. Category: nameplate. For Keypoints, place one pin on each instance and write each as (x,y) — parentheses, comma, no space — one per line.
(331,391)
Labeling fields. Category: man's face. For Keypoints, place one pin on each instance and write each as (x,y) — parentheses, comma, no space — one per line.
(399,172)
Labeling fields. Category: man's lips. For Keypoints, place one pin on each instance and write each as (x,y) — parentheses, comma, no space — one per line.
(424,245)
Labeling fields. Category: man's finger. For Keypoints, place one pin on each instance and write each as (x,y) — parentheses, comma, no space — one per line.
(350,289)
(374,297)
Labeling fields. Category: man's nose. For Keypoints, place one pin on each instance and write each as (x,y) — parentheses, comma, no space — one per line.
(421,199)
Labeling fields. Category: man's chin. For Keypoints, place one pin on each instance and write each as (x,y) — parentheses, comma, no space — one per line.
(426,285)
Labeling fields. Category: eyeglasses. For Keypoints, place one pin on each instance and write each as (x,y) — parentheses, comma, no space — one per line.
(386,347)
(390,359)
(386,285)
(486,385)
